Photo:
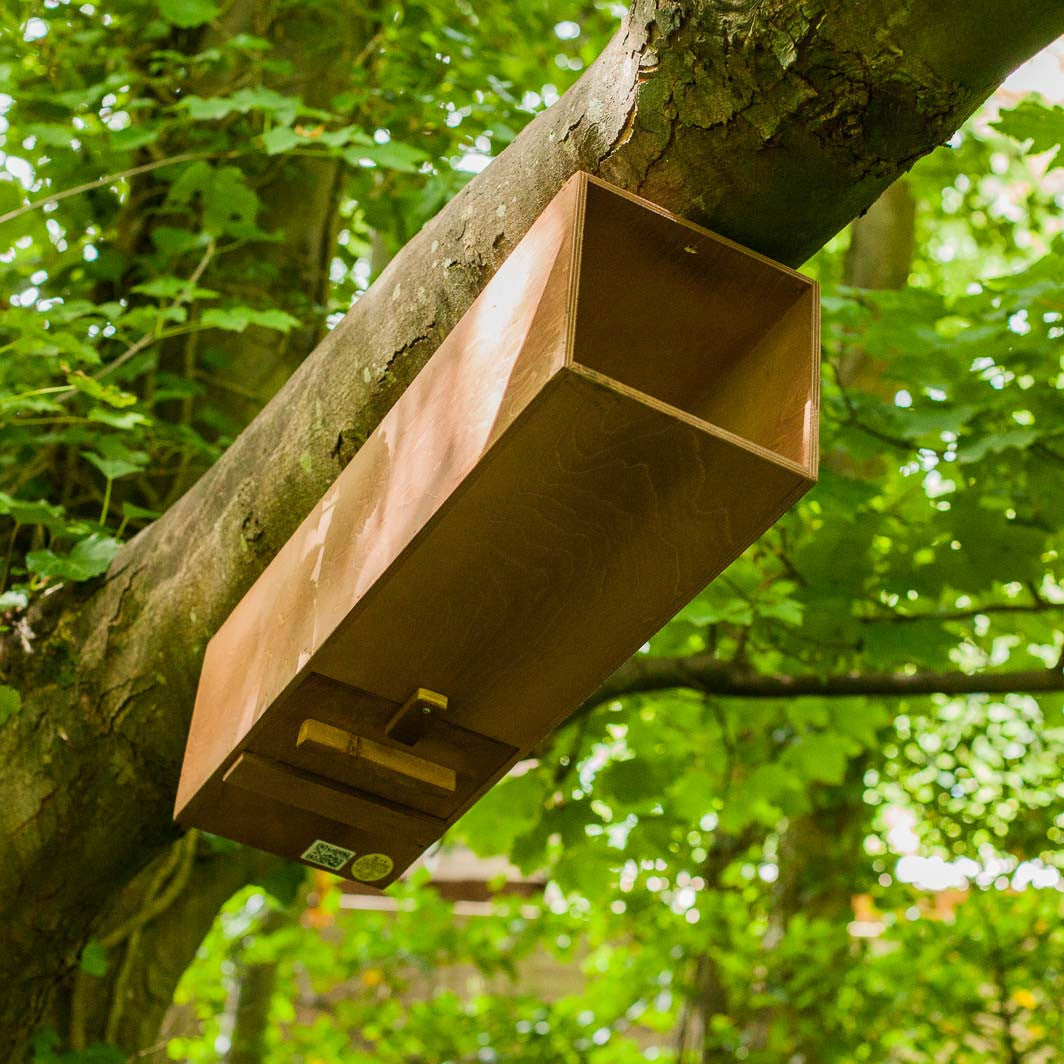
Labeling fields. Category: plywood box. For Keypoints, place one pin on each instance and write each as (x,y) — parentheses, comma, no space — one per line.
(629,404)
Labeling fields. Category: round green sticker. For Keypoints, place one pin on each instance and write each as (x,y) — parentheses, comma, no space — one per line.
(371,866)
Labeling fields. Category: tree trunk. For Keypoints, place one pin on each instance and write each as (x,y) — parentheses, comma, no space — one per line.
(774,122)
(882,242)
(255,982)
(146,956)
(820,851)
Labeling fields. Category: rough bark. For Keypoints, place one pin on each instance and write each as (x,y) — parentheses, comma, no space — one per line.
(775,122)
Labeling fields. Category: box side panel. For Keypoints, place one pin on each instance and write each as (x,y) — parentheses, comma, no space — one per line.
(769,395)
(488,369)
(246,814)
(593,522)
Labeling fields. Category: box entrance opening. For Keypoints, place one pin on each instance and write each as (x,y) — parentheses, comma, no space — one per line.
(688,319)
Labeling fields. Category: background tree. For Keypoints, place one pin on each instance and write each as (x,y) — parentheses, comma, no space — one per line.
(180,183)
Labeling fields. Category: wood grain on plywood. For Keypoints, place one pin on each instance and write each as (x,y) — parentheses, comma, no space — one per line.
(628,405)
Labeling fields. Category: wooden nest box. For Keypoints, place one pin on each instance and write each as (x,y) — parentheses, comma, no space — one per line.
(629,404)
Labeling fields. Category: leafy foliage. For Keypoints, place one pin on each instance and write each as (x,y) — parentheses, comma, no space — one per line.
(722,878)
(725,877)
(143,219)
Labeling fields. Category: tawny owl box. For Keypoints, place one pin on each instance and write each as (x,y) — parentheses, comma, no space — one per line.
(629,403)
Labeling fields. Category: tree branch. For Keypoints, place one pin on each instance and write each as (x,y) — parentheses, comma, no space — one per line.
(642,675)
(774,123)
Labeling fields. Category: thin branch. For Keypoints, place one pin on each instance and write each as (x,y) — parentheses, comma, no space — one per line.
(372,45)
(1042,606)
(854,420)
(107,179)
(149,337)
(730,753)
(120,990)
(179,862)
(704,673)
(146,340)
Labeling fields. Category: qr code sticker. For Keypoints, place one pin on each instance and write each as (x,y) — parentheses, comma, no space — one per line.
(326,855)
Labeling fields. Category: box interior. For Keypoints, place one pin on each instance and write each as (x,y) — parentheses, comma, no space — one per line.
(689,320)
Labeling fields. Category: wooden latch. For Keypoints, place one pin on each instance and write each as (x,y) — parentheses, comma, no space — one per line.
(412,718)
(314,735)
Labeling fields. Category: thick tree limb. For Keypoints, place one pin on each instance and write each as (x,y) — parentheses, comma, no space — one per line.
(641,675)
(772,121)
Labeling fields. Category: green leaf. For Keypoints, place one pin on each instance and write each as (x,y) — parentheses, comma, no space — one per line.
(172,287)
(130,138)
(105,393)
(488,829)
(112,468)
(188,13)
(237,319)
(1035,121)
(10,703)
(129,420)
(247,42)
(391,156)
(759,797)
(27,404)
(24,512)
(634,781)
(808,712)
(207,109)
(112,454)
(336,138)
(99,1053)
(132,512)
(859,719)
(274,319)
(173,241)
(787,610)
(894,644)
(281,139)
(820,756)
(713,607)
(232,319)
(51,134)
(73,309)
(89,558)
(93,959)
(934,418)
(995,444)
(284,881)
(230,205)
(211,108)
